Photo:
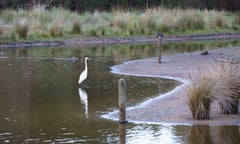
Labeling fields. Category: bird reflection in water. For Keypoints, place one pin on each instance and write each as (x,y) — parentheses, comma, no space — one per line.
(84,100)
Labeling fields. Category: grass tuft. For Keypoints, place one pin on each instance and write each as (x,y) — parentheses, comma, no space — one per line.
(22,28)
(122,23)
(148,22)
(214,82)
(77,26)
(236,22)
(227,89)
(199,94)
(220,21)
(189,21)
(56,28)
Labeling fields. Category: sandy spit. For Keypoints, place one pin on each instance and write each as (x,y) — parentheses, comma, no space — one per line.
(171,108)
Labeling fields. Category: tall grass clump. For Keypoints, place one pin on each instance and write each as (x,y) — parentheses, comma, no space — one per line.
(77,26)
(216,82)
(227,89)
(56,28)
(22,28)
(199,96)
(7,15)
(120,22)
(216,19)
(189,21)
(1,27)
(220,21)
(167,24)
(236,22)
(148,23)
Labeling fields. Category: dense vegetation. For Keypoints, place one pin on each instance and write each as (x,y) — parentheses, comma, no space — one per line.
(58,22)
(91,5)
(44,19)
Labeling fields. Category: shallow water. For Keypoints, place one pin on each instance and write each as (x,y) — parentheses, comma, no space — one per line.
(41,101)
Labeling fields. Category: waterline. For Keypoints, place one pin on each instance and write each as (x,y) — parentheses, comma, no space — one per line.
(113,114)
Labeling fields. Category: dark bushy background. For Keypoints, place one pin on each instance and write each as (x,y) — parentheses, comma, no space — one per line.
(91,5)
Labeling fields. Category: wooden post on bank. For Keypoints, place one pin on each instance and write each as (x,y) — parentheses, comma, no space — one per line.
(160,50)
(122,101)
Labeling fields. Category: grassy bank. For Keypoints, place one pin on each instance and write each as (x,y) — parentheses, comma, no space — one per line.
(42,24)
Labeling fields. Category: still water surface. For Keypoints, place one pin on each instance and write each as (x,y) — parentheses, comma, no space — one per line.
(41,101)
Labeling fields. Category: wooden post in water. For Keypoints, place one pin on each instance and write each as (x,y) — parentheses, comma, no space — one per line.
(160,50)
(122,101)
(122,133)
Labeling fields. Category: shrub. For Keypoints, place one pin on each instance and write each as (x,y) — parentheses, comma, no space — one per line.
(22,28)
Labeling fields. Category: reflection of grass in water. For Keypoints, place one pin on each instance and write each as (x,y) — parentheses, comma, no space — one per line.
(199,135)
(228,135)
(198,46)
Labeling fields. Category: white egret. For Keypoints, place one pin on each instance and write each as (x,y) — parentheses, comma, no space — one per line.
(83,75)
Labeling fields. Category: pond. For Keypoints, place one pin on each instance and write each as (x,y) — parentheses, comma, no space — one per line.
(41,101)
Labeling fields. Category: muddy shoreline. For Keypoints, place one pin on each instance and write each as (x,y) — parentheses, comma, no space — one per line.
(95,41)
(172,108)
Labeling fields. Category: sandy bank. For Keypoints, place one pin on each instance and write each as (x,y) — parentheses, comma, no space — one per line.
(172,108)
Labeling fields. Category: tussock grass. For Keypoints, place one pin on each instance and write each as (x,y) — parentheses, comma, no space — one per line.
(190,21)
(199,94)
(77,26)
(227,89)
(56,28)
(220,21)
(214,82)
(148,22)
(236,22)
(22,28)
(121,23)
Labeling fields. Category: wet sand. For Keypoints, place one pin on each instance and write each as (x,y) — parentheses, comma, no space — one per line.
(172,107)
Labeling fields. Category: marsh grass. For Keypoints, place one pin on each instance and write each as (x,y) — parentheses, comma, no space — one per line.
(121,23)
(148,22)
(220,21)
(76,26)
(22,28)
(227,89)
(214,82)
(199,94)
(236,22)
(56,28)
(190,21)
